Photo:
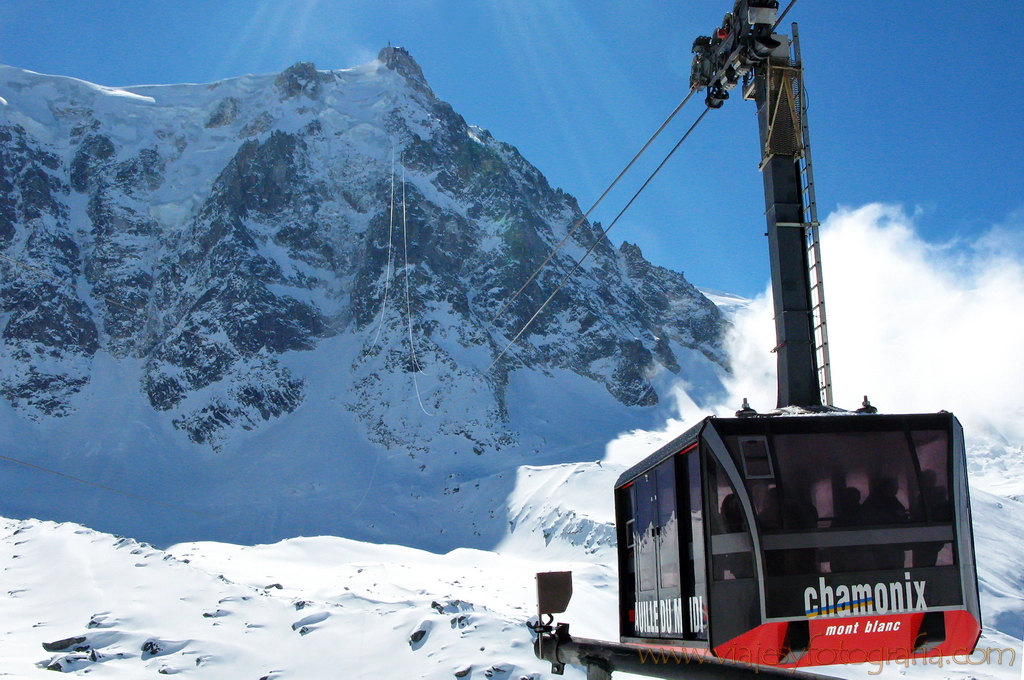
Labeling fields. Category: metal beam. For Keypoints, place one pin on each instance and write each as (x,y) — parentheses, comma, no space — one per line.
(602,659)
(782,146)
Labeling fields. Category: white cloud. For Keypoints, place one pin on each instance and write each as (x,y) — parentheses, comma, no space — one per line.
(923,327)
(918,327)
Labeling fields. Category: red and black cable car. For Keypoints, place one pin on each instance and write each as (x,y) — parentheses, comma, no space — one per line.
(809,535)
(801,540)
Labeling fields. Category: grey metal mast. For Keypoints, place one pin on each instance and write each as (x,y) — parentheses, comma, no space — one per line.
(746,47)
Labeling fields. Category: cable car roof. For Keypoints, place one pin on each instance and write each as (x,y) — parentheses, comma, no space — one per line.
(814,420)
(680,443)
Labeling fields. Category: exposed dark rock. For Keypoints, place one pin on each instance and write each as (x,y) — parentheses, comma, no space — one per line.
(294,240)
(77,643)
(142,173)
(300,79)
(90,162)
(258,125)
(225,113)
(399,60)
(262,177)
(29,185)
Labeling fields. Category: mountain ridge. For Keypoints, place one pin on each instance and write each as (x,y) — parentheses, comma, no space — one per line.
(234,243)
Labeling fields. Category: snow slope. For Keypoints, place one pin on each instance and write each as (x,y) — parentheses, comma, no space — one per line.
(303,608)
(327,606)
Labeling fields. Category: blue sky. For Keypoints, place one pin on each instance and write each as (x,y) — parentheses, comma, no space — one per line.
(921,109)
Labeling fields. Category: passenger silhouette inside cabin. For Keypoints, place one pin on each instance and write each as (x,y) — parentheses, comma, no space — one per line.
(848,509)
(769,514)
(785,511)
(739,563)
(882,507)
(801,513)
(848,514)
(938,508)
(732,514)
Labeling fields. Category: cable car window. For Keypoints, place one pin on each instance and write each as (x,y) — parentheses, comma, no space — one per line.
(698,619)
(766,503)
(757,464)
(630,532)
(851,479)
(731,545)
(668,525)
(643,532)
(933,454)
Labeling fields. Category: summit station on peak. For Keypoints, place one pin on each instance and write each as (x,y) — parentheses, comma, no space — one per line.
(399,60)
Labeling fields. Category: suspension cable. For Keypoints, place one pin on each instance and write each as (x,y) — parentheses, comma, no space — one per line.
(582,219)
(693,90)
(599,239)
(391,230)
(408,306)
(783,15)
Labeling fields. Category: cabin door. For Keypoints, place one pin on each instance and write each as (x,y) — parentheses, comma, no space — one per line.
(660,609)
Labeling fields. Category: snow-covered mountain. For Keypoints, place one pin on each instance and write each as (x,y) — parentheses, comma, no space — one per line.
(273,302)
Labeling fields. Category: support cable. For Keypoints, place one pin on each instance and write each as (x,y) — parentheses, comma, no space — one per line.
(783,15)
(583,219)
(387,272)
(599,239)
(408,306)
(693,90)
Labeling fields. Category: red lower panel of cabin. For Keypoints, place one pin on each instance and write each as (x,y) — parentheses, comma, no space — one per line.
(852,640)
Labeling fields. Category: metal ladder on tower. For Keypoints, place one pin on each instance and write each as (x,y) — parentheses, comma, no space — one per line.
(810,217)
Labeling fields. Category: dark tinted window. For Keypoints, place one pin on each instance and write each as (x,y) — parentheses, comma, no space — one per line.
(732,554)
(668,529)
(643,532)
(933,453)
(698,619)
(757,464)
(852,479)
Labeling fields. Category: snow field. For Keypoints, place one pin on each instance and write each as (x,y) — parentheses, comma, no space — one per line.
(302,608)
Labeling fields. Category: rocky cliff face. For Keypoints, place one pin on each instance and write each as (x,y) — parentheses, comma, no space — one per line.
(216,236)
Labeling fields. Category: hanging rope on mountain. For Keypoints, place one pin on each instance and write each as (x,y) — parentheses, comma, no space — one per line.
(414,359)
(598,240)
(387,272)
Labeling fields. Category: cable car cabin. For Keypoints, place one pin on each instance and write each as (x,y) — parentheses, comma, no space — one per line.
(801,540)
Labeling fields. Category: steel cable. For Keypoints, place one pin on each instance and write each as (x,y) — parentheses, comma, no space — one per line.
(583,219)
(599,239)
